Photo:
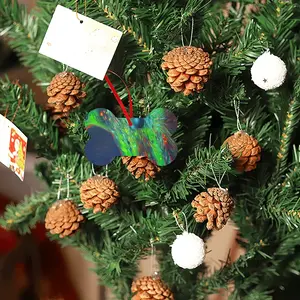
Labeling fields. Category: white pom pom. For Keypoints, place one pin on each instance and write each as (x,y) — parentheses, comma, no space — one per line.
(188,251)
(268,71)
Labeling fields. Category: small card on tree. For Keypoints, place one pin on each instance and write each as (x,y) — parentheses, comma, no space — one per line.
(13,147)
(81,43)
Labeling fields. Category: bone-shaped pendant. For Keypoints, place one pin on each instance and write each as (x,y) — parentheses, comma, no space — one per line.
(149,136)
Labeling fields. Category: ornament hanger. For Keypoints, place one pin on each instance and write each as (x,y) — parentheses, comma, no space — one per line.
(237,111)
(181,30)
(153,273)
(127,115)
(218,182)
(95,174)
(93,171)
(176,216)
(59,188)
(85,5)
(106,170)
(68,186)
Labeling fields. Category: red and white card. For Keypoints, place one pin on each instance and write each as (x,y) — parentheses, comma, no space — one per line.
(13,147)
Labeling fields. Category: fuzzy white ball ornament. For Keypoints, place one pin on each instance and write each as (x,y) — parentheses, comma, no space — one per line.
(268,71)
(188,250)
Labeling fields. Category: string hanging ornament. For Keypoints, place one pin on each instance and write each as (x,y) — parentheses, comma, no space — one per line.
(63,217)
(188,68)
(76,10)
(188,250)
(148,138)
(268,71)
(213,206)
(244,148)
(138,141)
(99,192)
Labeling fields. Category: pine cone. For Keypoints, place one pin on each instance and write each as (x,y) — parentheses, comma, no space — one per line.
(64,94)
(188,69)
(245,151)
(63,218)
(140,165)
(215,206)
(150,288)
(99,193)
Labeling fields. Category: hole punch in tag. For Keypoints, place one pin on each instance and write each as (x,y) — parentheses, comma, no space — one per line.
(80,42)
(13,147)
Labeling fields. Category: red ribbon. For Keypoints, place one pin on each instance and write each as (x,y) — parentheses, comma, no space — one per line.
(127,115)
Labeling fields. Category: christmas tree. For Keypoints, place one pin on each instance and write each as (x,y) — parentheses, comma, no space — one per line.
(219,67)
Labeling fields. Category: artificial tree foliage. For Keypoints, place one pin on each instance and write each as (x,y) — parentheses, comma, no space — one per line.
(267,200)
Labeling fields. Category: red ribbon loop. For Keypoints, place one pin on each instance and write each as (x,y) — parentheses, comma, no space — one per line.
(127,115)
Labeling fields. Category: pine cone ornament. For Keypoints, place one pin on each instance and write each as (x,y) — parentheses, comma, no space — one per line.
(150,288)
(140,165)
(99,193)
(64,94)
(63,218)
(245,151)
(215,206)
(188,69)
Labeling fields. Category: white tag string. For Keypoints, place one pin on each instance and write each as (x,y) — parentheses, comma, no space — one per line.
(68,186)
(81,171)
(222,177)
(81,21)
(65,68)
(93,170)
(181,32)
(217,181)
(178,224)
(59,188)
(192,32)
(237,113)
(152,256)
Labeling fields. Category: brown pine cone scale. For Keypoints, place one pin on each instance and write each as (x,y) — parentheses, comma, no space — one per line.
(99,193)
(150,288)
(215,206)
(63,218)
(245,151)
(139,166)
(188,69)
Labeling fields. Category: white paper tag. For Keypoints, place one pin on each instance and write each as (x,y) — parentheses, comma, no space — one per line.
(13,147)
(88,46)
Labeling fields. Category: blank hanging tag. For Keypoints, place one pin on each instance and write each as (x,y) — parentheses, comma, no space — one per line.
(80,42)
(13,147)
